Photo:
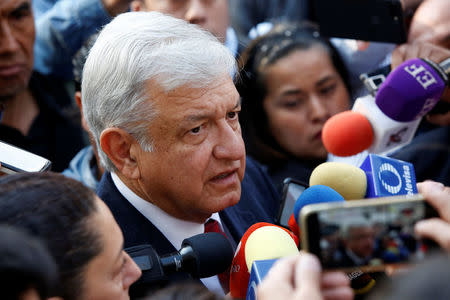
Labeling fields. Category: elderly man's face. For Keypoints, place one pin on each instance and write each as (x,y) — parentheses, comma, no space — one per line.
(198,160)
(211,15)
(16,46)
(361,241)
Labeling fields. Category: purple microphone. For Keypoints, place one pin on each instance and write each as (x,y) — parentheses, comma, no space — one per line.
(411,90)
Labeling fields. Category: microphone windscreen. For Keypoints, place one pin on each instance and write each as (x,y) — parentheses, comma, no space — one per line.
(347,133)
(240,272)
(315,194)
(347,180)
(269,242)
(213,253)
(410,91)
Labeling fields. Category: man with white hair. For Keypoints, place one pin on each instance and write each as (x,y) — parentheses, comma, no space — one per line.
(359,240)
(162,107)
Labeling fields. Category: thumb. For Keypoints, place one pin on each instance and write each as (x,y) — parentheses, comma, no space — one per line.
(308,276)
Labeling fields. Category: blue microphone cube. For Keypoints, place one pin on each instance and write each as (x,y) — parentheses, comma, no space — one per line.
(259,271)
(388,177)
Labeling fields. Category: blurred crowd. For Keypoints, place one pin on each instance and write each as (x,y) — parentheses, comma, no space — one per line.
(161,115)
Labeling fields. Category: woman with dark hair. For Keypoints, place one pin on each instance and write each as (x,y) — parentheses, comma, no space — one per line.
(27,271)
(291,81)
(78,229)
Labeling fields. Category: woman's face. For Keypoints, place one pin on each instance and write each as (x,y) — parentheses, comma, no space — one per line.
(110,274)
(303,91)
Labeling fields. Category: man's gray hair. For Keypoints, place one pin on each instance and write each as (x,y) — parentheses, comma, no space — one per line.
(353,223)
(141,47)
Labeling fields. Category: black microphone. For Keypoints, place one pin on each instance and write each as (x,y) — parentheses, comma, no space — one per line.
(201,256)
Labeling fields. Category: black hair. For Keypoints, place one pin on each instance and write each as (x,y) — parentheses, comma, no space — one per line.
(24,263)
(57,210)
(263,52)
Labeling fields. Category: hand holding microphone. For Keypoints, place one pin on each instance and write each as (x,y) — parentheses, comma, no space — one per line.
(434,53)
(408,93)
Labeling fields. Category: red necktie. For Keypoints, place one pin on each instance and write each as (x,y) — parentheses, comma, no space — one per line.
(213,226)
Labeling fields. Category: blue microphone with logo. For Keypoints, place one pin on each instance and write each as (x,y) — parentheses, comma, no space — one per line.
(388,176)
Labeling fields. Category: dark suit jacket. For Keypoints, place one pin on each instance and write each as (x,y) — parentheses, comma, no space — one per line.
(259,203)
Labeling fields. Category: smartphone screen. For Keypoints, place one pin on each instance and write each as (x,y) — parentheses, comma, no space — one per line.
(14,159)
(292,189)
(369,234)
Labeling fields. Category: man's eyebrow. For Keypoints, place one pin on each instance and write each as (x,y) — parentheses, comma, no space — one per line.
(194,117)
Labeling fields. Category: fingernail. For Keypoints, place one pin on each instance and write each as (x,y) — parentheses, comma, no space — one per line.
(309,263)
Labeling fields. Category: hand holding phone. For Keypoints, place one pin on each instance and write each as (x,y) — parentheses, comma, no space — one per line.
(368,234)
(437,229)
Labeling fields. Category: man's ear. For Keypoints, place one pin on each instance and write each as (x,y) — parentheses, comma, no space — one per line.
(116,143)
(137,5)
(80,106)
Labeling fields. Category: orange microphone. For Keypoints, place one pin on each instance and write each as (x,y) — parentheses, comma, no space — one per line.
(347,133)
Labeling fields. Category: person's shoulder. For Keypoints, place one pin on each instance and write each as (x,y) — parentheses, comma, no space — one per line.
(257,188)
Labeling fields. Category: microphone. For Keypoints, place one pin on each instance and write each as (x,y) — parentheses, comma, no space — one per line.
(340,137)
(311,195)
(406,95)
(347,180)
(388,177)
(202,255)
(315,194)
(389,135)
(262,241)
(411,90)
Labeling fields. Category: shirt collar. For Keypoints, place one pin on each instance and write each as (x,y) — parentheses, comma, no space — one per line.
(175,230)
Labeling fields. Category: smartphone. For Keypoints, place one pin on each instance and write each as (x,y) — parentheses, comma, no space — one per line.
(15,160)
(367,20)
(292,189)
(367,234)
